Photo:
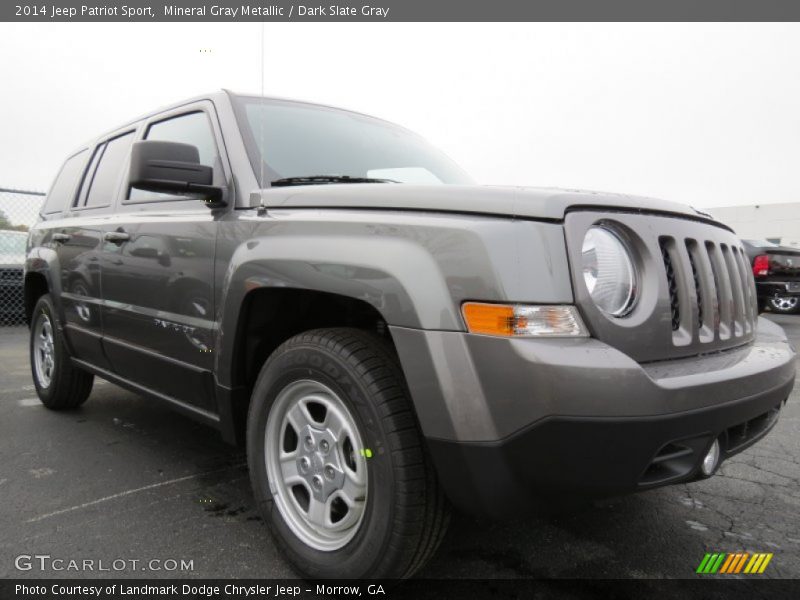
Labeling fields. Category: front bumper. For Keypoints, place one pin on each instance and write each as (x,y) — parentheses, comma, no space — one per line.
(510,422)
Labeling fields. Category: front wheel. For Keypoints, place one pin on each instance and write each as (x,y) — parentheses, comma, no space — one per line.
(784,304)
(338,466)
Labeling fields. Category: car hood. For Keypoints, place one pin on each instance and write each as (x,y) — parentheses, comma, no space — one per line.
(524,202)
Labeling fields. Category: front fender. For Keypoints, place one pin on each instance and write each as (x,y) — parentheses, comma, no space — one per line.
(415,269)
(399,279)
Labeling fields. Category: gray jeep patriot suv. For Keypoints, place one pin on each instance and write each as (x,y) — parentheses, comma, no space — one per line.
(386,338)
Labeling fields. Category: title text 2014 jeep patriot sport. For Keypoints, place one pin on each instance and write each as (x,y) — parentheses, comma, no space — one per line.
(385,337)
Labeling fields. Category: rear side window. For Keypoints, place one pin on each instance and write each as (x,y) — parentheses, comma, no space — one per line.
(63,188)
(192,128)
(100,184)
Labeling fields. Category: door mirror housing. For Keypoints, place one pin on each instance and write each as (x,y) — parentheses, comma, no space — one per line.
(172,168)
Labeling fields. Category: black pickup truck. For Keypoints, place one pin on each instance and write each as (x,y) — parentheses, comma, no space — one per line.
(777,273)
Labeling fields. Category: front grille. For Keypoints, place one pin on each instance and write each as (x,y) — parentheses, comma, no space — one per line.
(713,298)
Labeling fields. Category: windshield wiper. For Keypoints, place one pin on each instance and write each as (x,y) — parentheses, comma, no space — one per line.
(325,179)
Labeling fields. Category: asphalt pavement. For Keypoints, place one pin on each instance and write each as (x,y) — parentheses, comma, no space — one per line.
(125,479)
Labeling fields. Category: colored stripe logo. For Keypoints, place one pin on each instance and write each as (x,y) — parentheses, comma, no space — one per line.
(736,562)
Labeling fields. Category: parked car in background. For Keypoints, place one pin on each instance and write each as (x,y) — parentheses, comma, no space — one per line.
(12,261)
(777,273)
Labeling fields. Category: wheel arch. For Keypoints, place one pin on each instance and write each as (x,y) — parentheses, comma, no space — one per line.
(35,286)
(269,316)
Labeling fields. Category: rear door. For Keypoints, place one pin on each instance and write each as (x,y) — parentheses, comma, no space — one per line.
(158,274)
(79,242)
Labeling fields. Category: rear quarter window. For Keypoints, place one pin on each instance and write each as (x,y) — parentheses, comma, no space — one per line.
(63,189)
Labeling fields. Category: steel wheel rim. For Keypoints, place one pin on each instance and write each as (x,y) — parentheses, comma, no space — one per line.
(43,350)
(784,302)
(316,467)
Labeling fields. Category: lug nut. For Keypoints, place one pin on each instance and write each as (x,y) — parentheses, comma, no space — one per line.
(324,446)
(329,472)
(304,464)
(309,442)
(317,482)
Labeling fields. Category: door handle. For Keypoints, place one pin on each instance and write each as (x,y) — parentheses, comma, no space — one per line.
(61,237)
(116,237)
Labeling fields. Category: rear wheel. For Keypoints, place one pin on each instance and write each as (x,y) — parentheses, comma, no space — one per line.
(337,462)
(784,304)
(59,384)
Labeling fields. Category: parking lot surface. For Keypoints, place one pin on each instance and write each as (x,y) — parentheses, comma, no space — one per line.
(125,478)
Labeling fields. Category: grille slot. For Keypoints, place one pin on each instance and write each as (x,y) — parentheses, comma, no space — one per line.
(748,291)
(691,249)
(672,282)
(717,299)
(737,299)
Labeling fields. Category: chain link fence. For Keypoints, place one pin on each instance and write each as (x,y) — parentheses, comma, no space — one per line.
(19,210)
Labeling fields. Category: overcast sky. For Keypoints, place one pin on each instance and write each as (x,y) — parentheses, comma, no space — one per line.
(699,113)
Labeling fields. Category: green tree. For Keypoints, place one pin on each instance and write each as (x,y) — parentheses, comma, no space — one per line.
(5,223)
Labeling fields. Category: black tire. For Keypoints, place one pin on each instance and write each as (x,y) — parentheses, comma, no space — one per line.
(784,305)
(406,514)
(69,386)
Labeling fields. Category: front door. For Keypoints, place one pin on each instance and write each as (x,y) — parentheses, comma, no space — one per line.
(158,268)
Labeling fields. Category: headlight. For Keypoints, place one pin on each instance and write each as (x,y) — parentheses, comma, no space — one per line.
(608,271)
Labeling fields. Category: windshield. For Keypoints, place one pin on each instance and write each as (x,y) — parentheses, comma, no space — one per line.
(291,139)
(12,243)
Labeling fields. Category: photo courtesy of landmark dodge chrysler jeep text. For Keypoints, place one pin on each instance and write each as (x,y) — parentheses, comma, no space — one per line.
(387,338)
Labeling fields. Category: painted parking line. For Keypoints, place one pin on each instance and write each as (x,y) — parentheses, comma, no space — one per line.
(152,486)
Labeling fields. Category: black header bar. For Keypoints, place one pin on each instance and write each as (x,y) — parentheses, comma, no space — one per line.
(400,10)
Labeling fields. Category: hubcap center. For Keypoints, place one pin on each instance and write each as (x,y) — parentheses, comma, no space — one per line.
(318,462)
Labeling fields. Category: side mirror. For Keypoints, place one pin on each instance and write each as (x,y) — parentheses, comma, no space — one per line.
(172,168)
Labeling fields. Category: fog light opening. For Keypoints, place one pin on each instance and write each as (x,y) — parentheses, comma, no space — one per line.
(710,460)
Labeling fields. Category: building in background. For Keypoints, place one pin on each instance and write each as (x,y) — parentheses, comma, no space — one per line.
(778,223)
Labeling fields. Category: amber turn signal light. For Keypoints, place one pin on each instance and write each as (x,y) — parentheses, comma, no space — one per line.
(521,320)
